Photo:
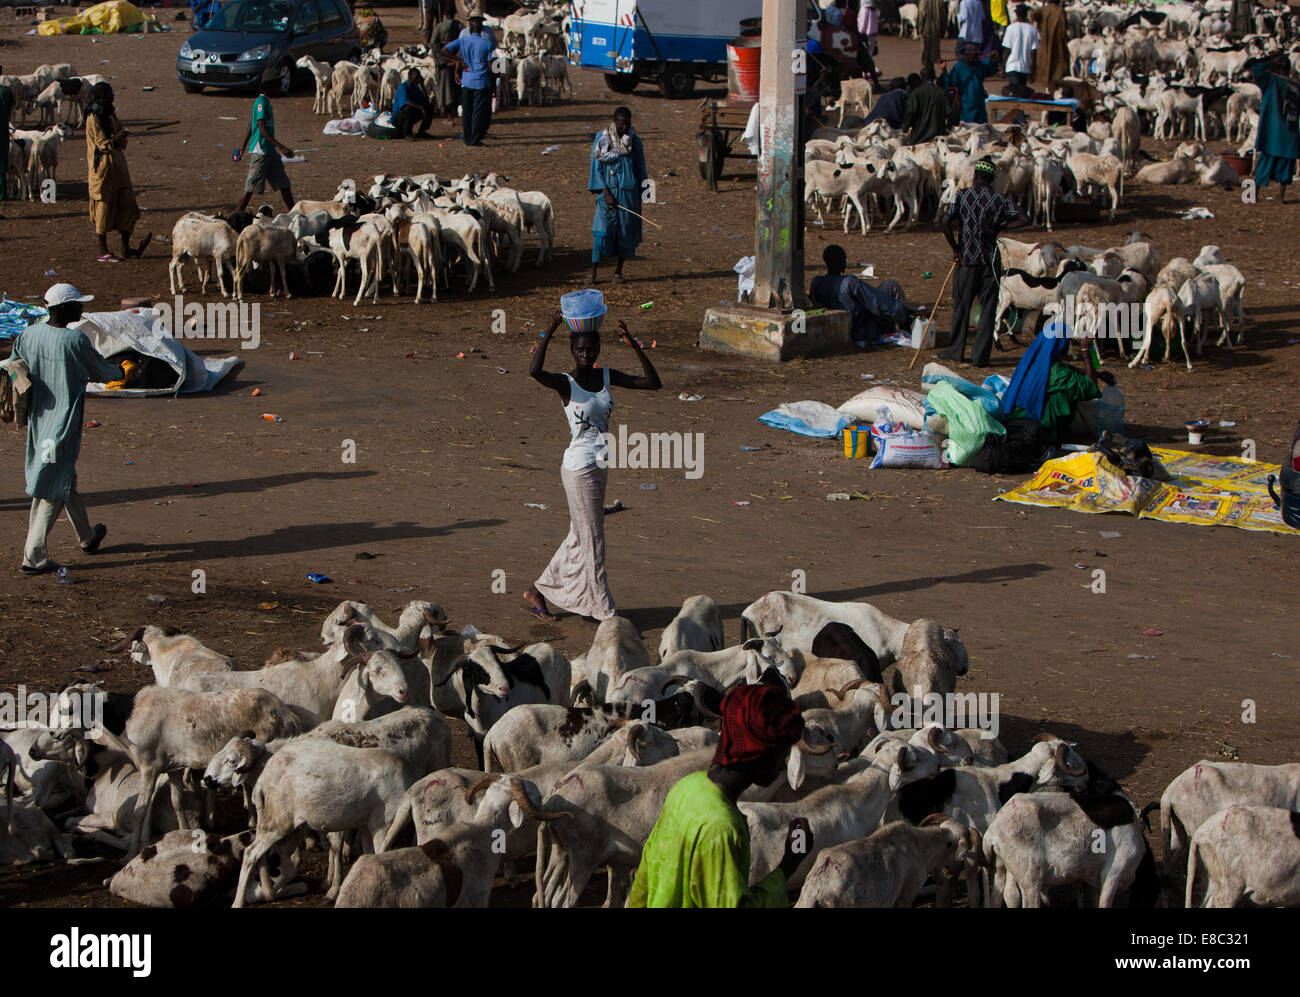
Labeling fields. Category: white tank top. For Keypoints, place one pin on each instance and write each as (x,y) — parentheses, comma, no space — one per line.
(588,415)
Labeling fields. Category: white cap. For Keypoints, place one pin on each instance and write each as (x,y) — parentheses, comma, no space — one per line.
(61,294)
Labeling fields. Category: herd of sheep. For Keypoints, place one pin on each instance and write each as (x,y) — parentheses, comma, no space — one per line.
(347,748)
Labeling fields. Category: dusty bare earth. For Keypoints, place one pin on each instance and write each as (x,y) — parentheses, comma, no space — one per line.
(449,450)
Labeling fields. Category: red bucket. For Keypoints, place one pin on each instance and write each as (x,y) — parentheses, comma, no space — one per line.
(743,60)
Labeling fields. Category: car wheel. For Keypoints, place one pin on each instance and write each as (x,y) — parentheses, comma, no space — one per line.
(192,87)
(622,82)
(677,80)
(284,79)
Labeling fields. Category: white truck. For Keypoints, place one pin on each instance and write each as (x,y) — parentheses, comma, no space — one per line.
(674,42)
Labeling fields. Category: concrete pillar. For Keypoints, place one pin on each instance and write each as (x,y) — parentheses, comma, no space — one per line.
(778,252)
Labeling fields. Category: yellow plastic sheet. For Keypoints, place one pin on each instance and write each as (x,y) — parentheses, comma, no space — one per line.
(1205,490)
(110,18)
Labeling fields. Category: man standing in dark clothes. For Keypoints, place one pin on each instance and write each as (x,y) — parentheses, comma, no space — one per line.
(929,111)
(891,105)
(446,91)
(979,212)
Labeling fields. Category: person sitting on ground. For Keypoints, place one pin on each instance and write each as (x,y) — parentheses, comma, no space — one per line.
(874,312)
(1044,387)
(411,107)
(967,78)
(930,110)
(892,105)
(698,854)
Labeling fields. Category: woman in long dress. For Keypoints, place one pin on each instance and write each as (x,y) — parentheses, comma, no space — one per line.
(112,198)
(575,579)
(616,177)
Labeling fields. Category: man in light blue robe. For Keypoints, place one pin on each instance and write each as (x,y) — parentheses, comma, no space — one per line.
(616,178)
(62,361)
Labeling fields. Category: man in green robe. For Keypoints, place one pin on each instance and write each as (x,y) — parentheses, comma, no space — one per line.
(1277,142)
(698,853)
(967,78)
(62,362)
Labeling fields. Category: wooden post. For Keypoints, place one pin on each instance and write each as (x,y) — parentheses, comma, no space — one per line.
(778,256)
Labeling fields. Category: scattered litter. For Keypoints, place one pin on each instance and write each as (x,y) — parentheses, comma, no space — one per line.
(460,356)
(147,89)
(93,424)
(684,397)
(256,392)
(868,377)
(1226,425)
(64,578)
(1192,214)
(550,149)
(1081,565)
(534,505)
(750,449)
(365,555)
(869,270)
(294,356)
(225,117)
(746,502)
(837,497)
(269,417)
(96,666)
(654,343)
(927,274)
(1152,632)
(155,598)
(1110,535)
(51,273)
(1227,750)
(1147,657)
(320,579)
(646,305)
(648,488)
(164,502)
(293,159)
(615,506)
(502,370)
(268,605)
(403,588)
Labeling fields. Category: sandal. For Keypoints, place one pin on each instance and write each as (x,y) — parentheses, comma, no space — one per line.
(541,614)
(108,258)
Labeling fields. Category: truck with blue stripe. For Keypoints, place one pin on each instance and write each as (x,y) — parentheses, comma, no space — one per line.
(672,42)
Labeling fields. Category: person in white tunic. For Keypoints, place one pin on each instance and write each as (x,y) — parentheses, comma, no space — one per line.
(575,579)
(62,361)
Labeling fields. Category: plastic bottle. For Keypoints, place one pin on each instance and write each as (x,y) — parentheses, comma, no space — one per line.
(884,418)
(1110,410)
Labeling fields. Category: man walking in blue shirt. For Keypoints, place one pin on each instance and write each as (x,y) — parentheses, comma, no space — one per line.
(474,49)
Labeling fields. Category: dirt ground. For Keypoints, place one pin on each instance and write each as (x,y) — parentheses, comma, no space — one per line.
(449,450)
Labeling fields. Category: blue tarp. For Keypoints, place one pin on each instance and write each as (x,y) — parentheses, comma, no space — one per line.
(16,316)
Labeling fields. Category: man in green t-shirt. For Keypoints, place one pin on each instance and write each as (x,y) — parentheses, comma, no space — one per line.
(698,853)
(264,149)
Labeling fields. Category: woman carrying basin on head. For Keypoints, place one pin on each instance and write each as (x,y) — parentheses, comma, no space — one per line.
(575,579)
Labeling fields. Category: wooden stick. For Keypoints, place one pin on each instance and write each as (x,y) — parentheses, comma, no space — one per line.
(642,217)
(932,311)
(162,125)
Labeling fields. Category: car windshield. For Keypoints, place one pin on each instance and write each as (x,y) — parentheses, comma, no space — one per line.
(253,17)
